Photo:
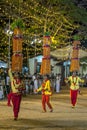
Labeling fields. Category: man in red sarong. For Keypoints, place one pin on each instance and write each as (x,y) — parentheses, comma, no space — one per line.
(46,90)
(74,87)
(16,95)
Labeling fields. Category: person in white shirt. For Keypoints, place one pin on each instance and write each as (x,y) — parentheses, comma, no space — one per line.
(58,79)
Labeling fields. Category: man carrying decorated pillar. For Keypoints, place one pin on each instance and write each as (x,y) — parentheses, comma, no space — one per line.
(74,79)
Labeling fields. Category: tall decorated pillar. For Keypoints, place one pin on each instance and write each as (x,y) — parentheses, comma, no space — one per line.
(46,65)
(17,57)
(75,59)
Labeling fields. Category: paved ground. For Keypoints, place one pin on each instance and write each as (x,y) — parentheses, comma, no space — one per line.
(32,118)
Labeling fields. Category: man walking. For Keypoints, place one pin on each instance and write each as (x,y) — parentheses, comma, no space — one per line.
(16,95)
(46,93)
(74,87)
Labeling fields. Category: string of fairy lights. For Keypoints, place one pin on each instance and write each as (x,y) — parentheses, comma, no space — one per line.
(37,18)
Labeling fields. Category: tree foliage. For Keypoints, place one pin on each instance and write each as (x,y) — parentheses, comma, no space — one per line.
(62,18)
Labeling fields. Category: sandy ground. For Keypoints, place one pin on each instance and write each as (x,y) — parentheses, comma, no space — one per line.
(31,117)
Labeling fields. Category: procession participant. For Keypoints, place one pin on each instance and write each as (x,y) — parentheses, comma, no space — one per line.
(58,79)
(74,87)
(45,88)
(9,93)
(7,83)
(17,88)
(35,84)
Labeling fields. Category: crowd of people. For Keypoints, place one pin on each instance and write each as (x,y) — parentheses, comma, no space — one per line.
(31,82)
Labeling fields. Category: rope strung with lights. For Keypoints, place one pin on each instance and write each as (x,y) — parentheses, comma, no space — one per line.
(33,14)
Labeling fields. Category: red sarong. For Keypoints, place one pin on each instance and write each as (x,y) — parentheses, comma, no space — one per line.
(73,94)
(16,100)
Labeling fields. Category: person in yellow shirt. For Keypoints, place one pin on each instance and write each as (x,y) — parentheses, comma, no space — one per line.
(16,94)
(46,90)
(74,87)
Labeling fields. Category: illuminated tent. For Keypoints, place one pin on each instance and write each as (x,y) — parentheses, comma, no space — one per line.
(66,52)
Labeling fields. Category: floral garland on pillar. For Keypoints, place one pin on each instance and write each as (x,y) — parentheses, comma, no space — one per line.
(46,65)
(17,57)
(75,59)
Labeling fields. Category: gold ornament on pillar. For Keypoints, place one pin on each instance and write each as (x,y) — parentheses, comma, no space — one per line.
(46,65)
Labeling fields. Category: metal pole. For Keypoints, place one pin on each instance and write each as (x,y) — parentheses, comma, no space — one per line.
(35,45)
(35,56)
(9,46)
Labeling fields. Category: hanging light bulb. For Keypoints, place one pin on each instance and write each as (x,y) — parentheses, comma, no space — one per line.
(9,32)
